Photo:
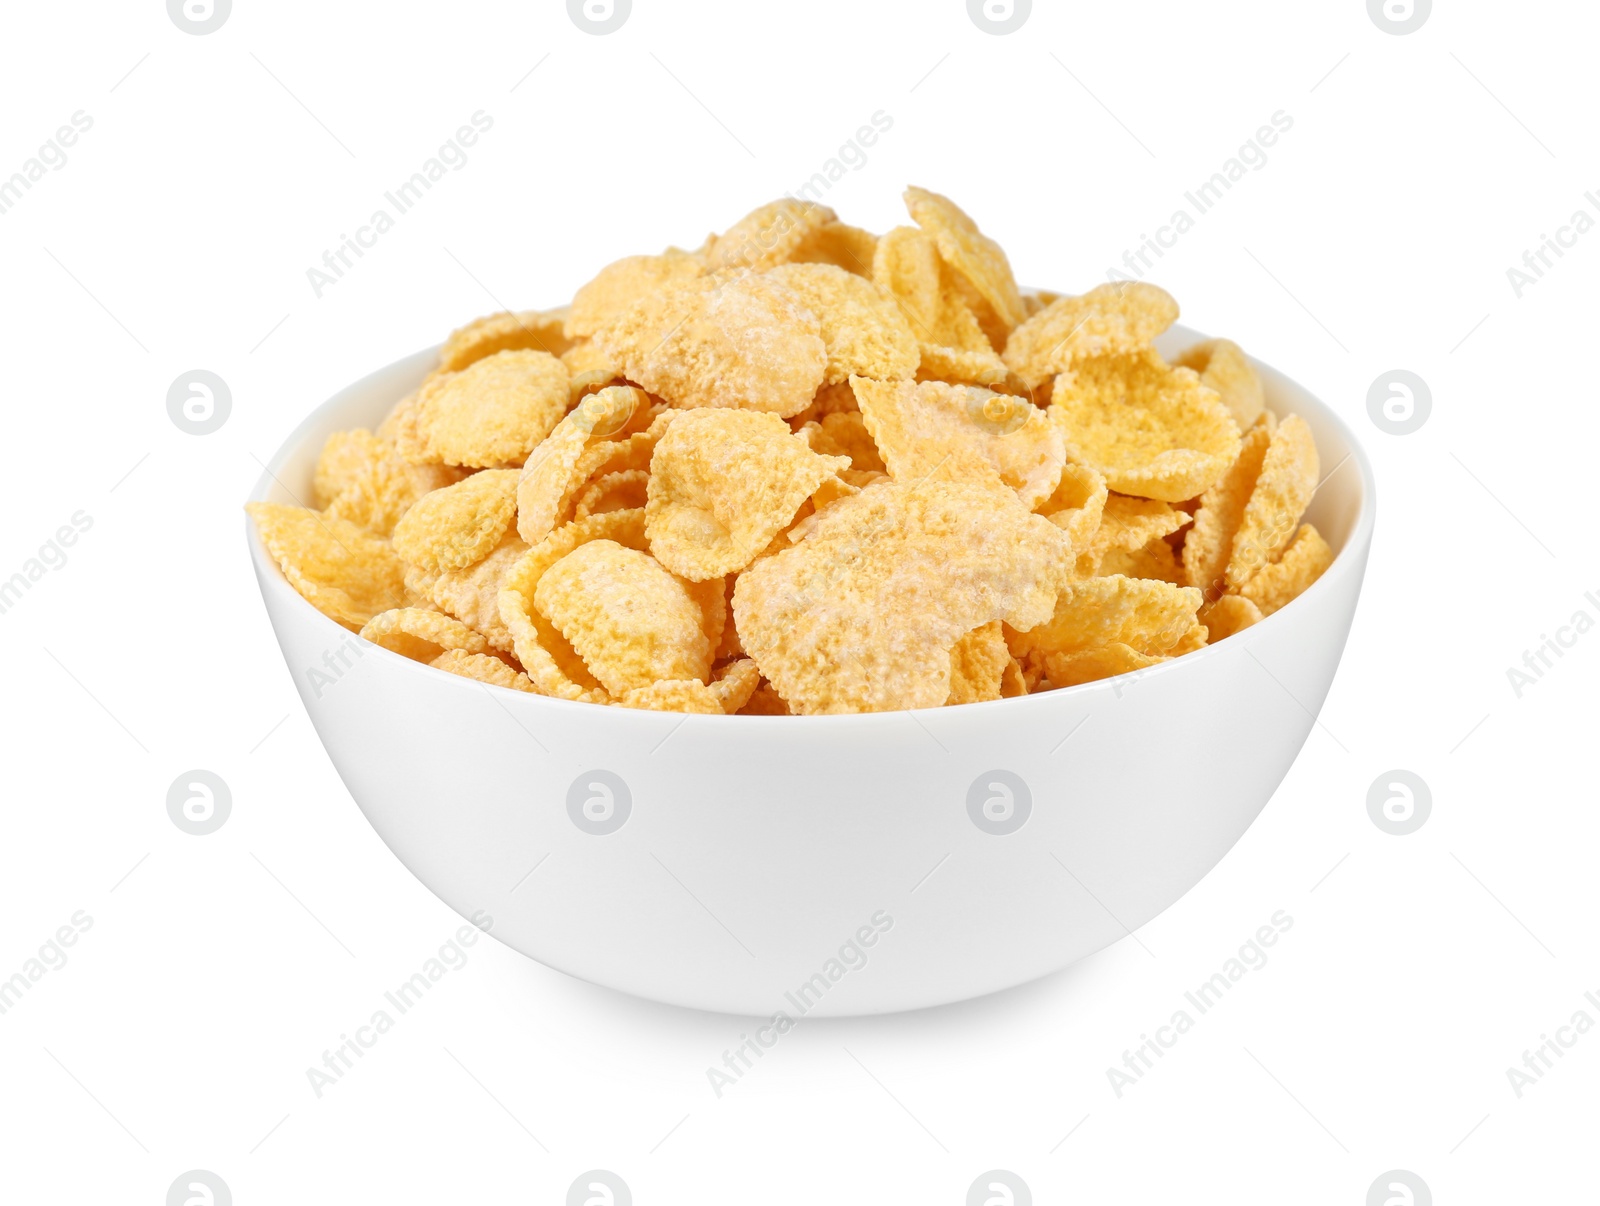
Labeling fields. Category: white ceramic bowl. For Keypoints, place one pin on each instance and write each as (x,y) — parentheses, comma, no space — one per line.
(828,865)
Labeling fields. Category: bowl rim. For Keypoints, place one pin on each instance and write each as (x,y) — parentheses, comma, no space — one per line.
(1350,559)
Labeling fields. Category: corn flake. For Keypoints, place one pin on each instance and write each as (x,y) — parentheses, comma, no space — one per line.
(674,695)
(723,484)
(978,664)
(588,369)
(1302,563)
(1155,559)
(534,330)
(1144,614)
(1076,506)
(1129,523)
(1282,490)
(1224,367)
(1114,319)
(630,620)
(549,659)
(472,595)
(552,474)
(953,347)
(847,247)
(1091,665)
(863,331)
(765,702)
(459,525)
(484,669)
(420,634)
(365,480)
(734,684)
(975,256)
(619,286)
(1209,545)
(340,568)
(844,433)
(768,236)
(861,614)
(491,413)
(1228,616)
(729,340)
(624,490)
(962,432)
(1152,431)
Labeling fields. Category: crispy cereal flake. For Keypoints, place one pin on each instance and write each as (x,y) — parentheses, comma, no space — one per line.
(1091,665)
(1227,616)
(735,683)
(622,284)
(341,569)
(1284,487)
(1155,559)
(953,347)
(844,433)
(623,490)
(552,474)
(674,695)
(862,329)
(1119,318)
(630,620)
(545,653)
(420,634)
(770,235)
(365,480)
(969,251)
(472,595)
(1224,367)
(484,669)
(1144,614)
(1208,547)
(491,413)
(978,665)
(459,525)
(1302,563)
(1076,507)
(732,339)
(962,432)
(941,558)
(534,330)
(847,247)
(723,483)
(1129,523)
(1152,431)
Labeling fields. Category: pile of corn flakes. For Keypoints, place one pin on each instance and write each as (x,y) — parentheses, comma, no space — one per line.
(809,469)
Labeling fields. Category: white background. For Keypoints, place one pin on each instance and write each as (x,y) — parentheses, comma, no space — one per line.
(178,235)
